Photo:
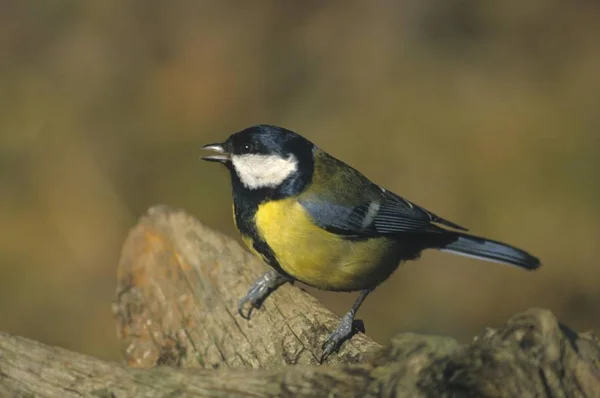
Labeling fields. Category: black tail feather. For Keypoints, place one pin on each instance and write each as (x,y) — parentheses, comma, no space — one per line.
(486,249)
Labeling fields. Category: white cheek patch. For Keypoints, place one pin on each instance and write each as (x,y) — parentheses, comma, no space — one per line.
(263,171)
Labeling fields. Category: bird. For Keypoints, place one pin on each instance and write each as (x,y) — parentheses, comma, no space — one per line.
(315,219)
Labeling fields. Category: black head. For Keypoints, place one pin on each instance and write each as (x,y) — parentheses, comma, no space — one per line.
(266,158)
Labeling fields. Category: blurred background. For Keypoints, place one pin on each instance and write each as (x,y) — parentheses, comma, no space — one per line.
(487,113)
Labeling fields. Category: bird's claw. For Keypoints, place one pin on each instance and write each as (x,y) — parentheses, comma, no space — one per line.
(259,291)
(338,337)
(254,304)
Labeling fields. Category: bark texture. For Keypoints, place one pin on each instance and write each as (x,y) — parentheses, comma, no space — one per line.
(179,283)
(176,310)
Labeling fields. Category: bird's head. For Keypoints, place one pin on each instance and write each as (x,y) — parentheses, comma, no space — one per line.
(265,157)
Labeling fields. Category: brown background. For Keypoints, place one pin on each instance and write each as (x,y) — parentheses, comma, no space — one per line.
(486,114)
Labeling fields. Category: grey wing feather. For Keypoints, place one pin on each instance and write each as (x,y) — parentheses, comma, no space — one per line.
(398,213)
(388,214)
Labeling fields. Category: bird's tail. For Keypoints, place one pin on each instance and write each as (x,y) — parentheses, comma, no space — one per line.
(486,249)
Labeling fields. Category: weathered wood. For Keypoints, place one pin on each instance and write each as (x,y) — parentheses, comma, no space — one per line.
(178,286)
(530,356)
(179,283)
(31,369)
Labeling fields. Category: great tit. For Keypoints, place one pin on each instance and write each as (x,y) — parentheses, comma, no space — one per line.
(315,219)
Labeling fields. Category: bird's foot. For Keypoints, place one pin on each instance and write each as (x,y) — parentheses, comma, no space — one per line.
(342,333)
(260,290)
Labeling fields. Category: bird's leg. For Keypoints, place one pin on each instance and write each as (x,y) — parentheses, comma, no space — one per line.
(344,329)
(260,290)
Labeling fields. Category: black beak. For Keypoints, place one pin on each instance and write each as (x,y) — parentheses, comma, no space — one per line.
(222,157)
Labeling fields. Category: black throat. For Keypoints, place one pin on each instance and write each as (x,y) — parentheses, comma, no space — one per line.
(246,202)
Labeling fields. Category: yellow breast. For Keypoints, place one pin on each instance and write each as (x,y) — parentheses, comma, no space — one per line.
(320,258)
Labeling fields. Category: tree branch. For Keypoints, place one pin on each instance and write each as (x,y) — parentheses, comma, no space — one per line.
(531,355)
(178,286)
(179,283)
(29,368)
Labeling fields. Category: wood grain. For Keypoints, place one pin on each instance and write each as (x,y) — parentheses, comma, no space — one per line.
(179,283)
(176,312)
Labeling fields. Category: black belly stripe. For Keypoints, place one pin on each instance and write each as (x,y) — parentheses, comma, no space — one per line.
(245,207)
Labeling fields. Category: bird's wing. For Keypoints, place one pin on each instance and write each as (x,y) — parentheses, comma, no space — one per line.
(344,201)
(382,213)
